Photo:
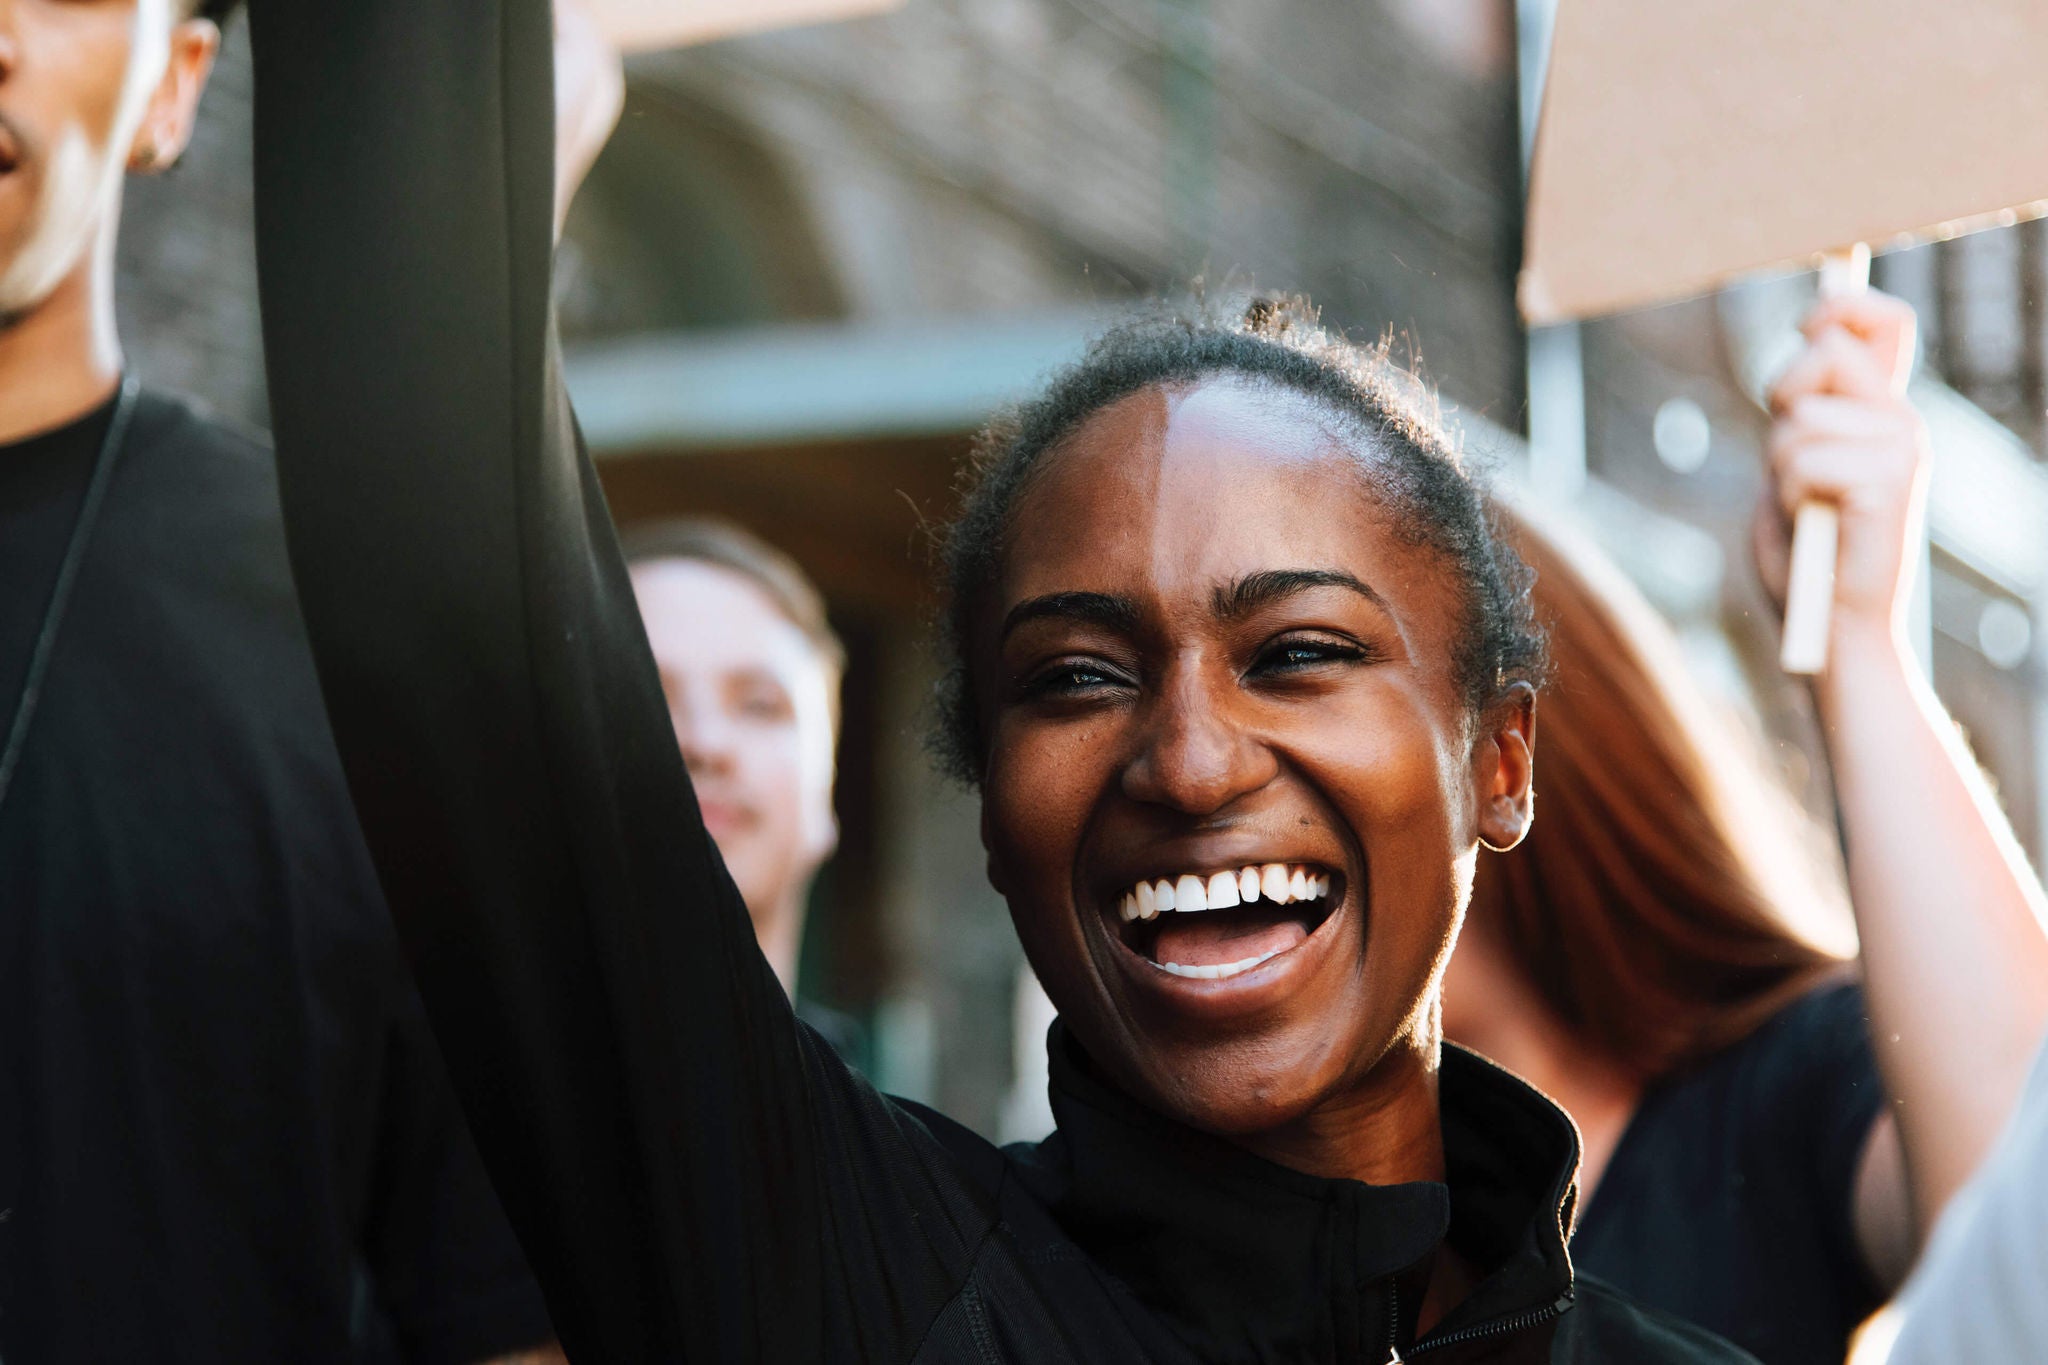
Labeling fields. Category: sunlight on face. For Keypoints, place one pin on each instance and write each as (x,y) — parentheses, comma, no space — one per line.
(1212,649)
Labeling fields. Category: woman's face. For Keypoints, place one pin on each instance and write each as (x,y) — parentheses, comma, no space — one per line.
(1211,657)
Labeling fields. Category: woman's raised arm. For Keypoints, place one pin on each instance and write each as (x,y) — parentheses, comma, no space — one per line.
(667,1139)
(1953,923)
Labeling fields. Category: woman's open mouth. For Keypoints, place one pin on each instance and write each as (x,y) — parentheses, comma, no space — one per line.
(1220,924)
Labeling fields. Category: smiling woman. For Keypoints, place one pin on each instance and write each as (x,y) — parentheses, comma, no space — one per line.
(1245,680)
(1232,788)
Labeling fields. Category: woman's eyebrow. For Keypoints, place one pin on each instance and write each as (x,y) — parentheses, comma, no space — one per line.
(1240,599)
(1096,608)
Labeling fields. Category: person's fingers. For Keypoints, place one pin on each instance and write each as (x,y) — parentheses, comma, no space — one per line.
(1835,363)
(1888,327)
(1835,471)
(1892,436)
(1826,414)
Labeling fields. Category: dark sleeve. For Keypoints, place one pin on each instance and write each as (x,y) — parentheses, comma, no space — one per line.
(447,1271)
(692,1177)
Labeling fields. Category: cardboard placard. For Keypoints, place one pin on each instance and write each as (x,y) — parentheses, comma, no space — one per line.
(644,25)
(1684,142)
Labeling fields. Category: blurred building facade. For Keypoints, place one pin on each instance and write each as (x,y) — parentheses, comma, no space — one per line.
(812,262)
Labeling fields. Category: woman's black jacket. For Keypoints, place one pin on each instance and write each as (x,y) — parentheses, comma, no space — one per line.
(694,1176)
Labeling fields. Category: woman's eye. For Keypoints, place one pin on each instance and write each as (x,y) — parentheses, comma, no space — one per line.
(1068,679)
(1295,656)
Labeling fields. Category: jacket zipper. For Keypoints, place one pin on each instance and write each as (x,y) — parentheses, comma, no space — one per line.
(1393,1323)
(1519,1322)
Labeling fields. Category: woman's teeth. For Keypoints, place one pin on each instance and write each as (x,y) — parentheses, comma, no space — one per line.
(1280,883)
(1218,971)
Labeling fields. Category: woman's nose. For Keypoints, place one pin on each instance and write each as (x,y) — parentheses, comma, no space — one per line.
(1195,756)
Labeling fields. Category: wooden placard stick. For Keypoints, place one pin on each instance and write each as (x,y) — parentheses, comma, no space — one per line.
(1816,530)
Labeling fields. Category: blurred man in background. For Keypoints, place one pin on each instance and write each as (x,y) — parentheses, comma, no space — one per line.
(225,1134)
(752,671)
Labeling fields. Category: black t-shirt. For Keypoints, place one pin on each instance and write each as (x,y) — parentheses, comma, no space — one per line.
(1729,1200)
(225,1134)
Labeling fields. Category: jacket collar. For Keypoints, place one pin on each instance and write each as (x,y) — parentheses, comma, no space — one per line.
(1251,1261)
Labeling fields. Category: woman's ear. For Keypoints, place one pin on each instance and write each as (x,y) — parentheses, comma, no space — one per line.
(1506,769)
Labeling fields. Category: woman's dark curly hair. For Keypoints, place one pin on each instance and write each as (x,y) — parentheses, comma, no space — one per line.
(1401,443)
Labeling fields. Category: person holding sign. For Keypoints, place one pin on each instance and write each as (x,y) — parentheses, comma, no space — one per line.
(1639,956)
(1951,917)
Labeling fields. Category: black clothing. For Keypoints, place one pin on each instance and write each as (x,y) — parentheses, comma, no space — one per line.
(1748,1164)
(225,1134)
(696,1175)
(42,486)
(842,1031)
